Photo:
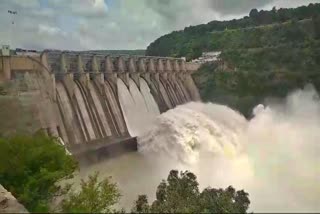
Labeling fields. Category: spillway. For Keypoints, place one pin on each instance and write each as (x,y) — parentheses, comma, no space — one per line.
(128,108)
(68,114)
(165,96)
(101,118)
(152,106)
(177,91)
(140,104)
(84,114)
(139,108)
(170,91)
(184,91)
(113,108)
(97,100)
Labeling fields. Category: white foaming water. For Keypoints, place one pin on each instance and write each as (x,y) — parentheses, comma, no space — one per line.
(128,108)
(152,106)
(274,156)
(186,130)
(138,108)
(137,97)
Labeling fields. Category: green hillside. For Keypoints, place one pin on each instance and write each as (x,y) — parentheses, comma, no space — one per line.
(263,55)
(259,29)
(244,90)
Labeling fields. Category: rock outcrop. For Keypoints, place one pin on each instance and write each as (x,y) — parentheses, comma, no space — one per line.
(9,204)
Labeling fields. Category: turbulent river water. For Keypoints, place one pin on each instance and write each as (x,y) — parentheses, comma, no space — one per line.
(274,156)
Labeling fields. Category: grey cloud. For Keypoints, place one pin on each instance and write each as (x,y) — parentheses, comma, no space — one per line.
(132,24)
(167,8)
(236,7)
(84,8)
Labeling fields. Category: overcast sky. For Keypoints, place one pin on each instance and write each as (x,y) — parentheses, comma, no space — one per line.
(113,24)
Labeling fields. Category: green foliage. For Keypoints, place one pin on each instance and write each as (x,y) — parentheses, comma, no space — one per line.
(278,53)
(30,166)
(180,194)
(243,90)
(94,197)
(254,13)
(316,25)
(224,200)
(283,58)
(260,29)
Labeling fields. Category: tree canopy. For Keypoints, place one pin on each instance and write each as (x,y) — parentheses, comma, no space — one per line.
(194,40)
(94,197)
(30,166)
(180,194)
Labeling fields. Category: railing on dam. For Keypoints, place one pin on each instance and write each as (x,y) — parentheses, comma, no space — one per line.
(66,61)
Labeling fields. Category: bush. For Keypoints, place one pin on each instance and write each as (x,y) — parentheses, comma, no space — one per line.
(30,167)
(180,194)
(94,197)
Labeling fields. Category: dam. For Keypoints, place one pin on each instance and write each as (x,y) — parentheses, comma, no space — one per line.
(92,100)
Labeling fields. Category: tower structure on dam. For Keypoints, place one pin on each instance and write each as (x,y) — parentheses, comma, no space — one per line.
(91,99)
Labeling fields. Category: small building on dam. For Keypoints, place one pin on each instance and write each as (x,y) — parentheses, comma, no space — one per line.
(92,100)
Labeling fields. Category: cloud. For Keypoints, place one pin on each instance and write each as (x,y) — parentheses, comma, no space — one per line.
(84,8)
(114,24)
(244,6)
(50,30)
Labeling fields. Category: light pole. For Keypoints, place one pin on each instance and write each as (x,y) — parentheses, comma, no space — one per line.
(12,24)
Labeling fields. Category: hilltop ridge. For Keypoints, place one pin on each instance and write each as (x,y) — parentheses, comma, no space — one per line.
(194,40)
(266,54)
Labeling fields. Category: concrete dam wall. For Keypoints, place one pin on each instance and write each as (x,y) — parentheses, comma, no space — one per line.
(91,100)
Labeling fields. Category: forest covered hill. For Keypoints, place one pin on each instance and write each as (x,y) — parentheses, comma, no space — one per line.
(266,54)
(244,32)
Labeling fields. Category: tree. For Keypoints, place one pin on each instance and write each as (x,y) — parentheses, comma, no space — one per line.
(224,201)
(254,14)
(274,9)
(283,14)
(30,167)
(181,43)
(316,25)
(94,197)
(141,204)
(180,194)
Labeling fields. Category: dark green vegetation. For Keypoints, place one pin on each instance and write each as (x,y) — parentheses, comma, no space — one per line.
(94,197)
(30,166)
(266,54)
(259,29)
(180,194)
(244,90)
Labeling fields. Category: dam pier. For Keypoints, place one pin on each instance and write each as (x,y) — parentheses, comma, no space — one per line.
(92,101)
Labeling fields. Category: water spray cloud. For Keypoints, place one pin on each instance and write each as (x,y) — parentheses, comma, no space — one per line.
(274,156)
